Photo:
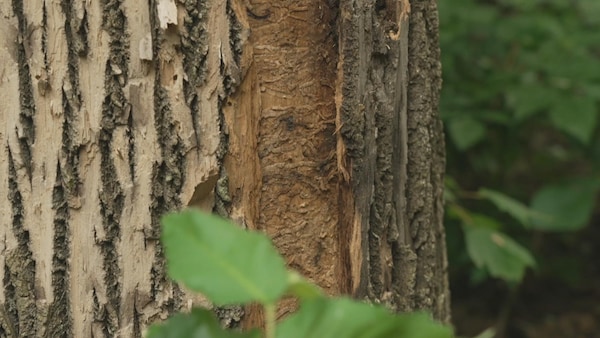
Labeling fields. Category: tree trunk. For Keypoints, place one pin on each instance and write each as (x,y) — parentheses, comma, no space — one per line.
(314,121)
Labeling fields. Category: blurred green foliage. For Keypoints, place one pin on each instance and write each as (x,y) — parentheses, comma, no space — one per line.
(520,104)
(229,265)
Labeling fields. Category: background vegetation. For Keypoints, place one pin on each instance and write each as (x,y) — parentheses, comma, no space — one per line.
(520,105)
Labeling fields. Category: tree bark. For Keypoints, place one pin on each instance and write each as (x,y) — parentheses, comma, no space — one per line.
(313,121)
(394,143)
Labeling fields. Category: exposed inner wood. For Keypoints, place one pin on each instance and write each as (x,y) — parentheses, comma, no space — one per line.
(283,119)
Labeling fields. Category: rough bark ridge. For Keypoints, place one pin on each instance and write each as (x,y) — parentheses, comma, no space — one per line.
(112,115)
(392,148)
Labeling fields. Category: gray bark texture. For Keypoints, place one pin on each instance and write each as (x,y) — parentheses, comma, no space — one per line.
(394,142)
(313,121)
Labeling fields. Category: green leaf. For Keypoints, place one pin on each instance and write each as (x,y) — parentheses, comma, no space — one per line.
(301,288)
(219,259)
(473,219)
(200,323)
(342,317)
(569,205)
(529,99)
(498,253)
(509,205)
(575,116)
(465,132)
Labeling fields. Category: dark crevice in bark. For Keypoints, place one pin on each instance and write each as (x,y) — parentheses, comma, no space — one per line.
(222,196)
(235,41)
(137,318)
(99,312)
(194,41)
(59,322)
(167,181)
(26,130)
(167,174)
(158,207)
(193,104)
(194,47)
(71,104)
(8,326)
(131,146)
(111,207)
(115,114)
(81,36)
(70,151)
(19,278)
(76,31)
(45,36)
(73,93)
(231,79)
